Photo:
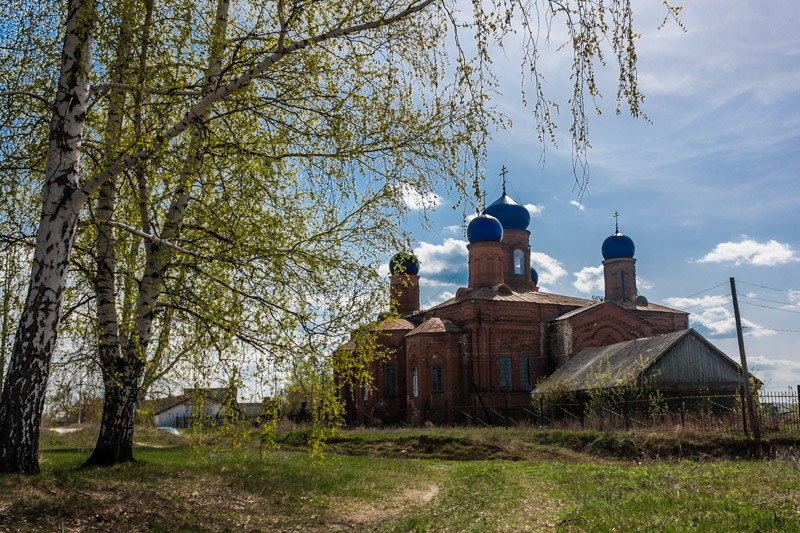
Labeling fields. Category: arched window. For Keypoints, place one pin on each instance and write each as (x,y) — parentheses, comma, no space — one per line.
(519,261)
(414,383)
(437,381)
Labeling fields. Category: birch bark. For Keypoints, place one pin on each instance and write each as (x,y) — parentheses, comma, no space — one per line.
(123,372)
(105,282)
(23,395)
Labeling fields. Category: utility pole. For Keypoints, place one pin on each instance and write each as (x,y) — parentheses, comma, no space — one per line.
(754,425)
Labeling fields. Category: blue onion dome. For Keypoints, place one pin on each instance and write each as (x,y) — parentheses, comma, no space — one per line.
(534,276)
(510,214)
(484,228)
(404,263)
(618,246)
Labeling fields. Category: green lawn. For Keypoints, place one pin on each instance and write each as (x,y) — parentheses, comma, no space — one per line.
(528,483)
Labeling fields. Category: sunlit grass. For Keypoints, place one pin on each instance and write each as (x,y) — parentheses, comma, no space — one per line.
(533,482)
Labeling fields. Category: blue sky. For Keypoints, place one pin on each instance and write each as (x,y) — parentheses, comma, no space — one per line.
(708,190)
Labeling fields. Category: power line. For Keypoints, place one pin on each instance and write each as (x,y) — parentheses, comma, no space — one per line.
(706,290)
(766,300)
(788,291)
(708,301)
(770,307)
(772,329)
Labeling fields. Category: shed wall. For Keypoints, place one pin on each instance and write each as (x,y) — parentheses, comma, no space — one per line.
(692,364)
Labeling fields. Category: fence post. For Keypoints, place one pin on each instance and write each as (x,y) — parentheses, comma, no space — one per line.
(744,410)
(682,407)
(798,404)
(627,419)
(541,409)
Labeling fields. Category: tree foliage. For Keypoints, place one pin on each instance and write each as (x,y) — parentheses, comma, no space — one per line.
(232,173)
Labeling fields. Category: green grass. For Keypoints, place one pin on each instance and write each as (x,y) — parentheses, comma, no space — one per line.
(501,481)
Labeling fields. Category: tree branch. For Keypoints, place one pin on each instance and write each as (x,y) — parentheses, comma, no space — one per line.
(35,96)
(94,183)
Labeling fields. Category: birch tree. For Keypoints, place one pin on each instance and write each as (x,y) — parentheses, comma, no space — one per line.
(356,100)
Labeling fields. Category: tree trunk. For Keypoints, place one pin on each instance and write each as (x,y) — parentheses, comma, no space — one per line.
(115,443)
(113,447)
(23,395)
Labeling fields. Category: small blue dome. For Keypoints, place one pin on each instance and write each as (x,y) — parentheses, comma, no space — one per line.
(484,228)
(510,214)
(618,246)
(534,276)
(404,263)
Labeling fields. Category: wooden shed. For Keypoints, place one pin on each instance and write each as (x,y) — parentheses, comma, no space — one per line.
(679,361)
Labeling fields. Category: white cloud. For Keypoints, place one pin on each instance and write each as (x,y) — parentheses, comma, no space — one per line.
(642,283)
(751,252)
(548,268)
(438,258)
(455,229)
(716,315)
(775,370)
(589,280)
(703,301)
(577,204)
(534,210)
(764,363)
(439,298)
(417,200)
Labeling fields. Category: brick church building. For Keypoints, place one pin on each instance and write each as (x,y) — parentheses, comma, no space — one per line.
(485,349)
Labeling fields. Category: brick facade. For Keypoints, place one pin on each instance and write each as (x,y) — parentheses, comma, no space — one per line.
(489,346)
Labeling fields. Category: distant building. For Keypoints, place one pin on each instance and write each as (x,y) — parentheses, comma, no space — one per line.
(211,405)
(487,347)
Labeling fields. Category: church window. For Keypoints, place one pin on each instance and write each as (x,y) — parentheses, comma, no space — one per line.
(525,373)
(505,373)
(390,379)
(364,389)
(414,383)
(519,260)
(437,384)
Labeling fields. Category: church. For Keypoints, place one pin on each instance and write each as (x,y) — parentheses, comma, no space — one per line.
(486,349)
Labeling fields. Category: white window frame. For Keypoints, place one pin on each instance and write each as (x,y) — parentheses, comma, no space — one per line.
(519,261)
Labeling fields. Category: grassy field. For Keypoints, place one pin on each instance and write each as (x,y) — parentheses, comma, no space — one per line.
(414,480)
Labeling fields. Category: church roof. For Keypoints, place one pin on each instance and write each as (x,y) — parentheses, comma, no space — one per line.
(630,306)
(435,325)
(393,324)
(522,297)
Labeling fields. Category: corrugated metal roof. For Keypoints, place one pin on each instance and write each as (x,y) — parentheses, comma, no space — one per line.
(612,365)
(435,325)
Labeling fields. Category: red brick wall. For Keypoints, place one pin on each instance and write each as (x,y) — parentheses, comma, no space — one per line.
(514,239)
(485,264)
(620,279)
(404,291)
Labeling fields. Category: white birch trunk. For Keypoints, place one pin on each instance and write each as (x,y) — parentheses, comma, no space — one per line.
(23,395)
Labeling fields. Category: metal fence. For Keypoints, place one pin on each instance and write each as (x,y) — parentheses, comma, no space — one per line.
(777,411)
